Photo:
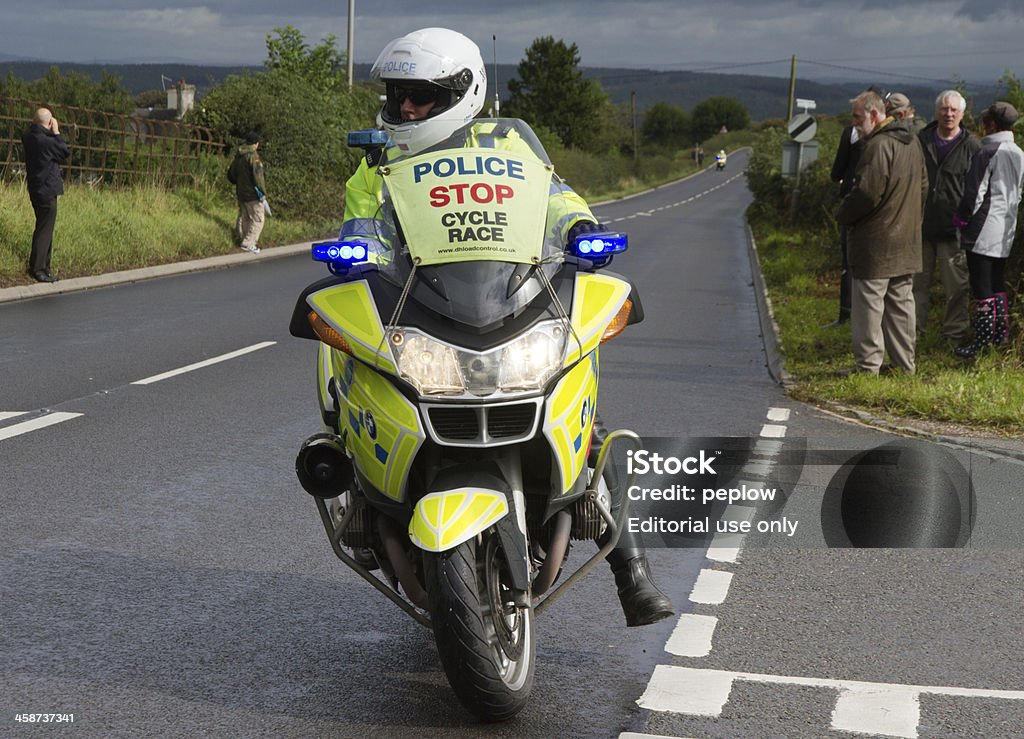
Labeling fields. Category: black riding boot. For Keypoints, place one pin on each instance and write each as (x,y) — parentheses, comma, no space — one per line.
(642,602)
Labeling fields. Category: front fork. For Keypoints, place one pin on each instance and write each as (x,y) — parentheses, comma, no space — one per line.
(512,530)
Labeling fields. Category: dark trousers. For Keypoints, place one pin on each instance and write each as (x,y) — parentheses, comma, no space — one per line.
(845,284)
(986,275)
(42,237)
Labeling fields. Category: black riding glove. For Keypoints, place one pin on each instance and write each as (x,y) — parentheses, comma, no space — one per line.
(579,228)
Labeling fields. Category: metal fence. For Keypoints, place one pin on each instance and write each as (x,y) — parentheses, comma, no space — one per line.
(110,149)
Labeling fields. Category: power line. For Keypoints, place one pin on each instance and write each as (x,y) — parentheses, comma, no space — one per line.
(878,72)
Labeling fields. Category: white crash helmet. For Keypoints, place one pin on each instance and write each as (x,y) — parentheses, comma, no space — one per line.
(440,65)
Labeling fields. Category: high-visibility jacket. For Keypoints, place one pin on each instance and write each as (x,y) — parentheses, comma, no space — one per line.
(364,189)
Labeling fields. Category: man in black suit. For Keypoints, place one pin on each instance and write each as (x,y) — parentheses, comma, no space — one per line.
(45,150)
(843,167)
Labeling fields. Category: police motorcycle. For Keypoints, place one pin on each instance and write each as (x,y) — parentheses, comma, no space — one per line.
(457,376)
(720,160)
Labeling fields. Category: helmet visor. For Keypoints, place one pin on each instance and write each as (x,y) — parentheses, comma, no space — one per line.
(417,93)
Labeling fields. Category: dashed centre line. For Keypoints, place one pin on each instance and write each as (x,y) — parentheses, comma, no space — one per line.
(35,424)
(648,213)
(50,419)
(204,363)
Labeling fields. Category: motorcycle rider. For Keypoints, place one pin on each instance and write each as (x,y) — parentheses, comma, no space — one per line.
(435,83)
(721,158)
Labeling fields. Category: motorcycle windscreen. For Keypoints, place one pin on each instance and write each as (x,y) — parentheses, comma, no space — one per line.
(476,215)
(471,204)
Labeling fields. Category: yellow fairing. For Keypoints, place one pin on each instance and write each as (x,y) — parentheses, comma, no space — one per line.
(350,310)
(569,419)
(382,428)
(443,520)
(596,300)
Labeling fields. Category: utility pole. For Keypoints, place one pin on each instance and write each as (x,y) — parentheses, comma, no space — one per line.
(497,99)
(636,148)
(792,88)
(351,39)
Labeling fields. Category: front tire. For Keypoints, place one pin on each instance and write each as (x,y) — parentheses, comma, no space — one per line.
(485,641)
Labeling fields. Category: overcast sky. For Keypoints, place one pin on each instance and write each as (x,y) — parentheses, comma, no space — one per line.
(910,39)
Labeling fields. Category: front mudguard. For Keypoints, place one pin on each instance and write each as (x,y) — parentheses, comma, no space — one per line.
(465,501)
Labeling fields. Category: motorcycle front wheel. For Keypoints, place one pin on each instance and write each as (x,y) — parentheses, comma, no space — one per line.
(485,641)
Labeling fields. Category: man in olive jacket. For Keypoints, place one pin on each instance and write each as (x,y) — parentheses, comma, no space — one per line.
(948,149)
(884,211)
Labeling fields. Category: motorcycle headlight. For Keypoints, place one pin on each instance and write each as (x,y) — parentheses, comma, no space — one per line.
(524,364)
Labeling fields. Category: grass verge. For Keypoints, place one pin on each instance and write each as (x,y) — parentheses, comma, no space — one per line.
(101,231)
(801,271)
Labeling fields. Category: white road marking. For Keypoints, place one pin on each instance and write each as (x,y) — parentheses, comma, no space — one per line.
(773,431)
(712,587)
(204,363)
(887,709)
(878,710)
(35,424)
(4,415)
(673,205)
(685,690)
(778,414)
(692,636)
(767,447)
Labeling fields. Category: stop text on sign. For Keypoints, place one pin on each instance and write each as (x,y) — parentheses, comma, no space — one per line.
(465,192)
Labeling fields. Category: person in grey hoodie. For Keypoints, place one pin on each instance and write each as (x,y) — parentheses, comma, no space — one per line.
(987,218)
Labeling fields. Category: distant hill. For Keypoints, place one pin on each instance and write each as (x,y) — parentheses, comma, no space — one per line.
(135,77)
(764,97)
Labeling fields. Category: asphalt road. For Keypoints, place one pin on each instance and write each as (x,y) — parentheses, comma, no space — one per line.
(164,575)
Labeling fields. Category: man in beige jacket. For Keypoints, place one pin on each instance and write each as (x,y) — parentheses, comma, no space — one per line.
(884,212)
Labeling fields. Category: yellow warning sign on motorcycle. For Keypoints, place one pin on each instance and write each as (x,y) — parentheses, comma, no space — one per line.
(461,205)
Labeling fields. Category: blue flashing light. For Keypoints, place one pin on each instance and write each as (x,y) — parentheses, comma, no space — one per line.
(370,138)
(340,254)
(600,244)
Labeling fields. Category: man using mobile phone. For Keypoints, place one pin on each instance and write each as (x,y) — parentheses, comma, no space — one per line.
(45,151)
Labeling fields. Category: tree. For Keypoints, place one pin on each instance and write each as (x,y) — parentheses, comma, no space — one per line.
(322,65)
(151,99)
(710,115)
(306,157)
(552,92)
(73,89)
(666,125)
(1014,90)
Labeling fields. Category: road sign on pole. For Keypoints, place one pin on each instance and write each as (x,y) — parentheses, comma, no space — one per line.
(802,127)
